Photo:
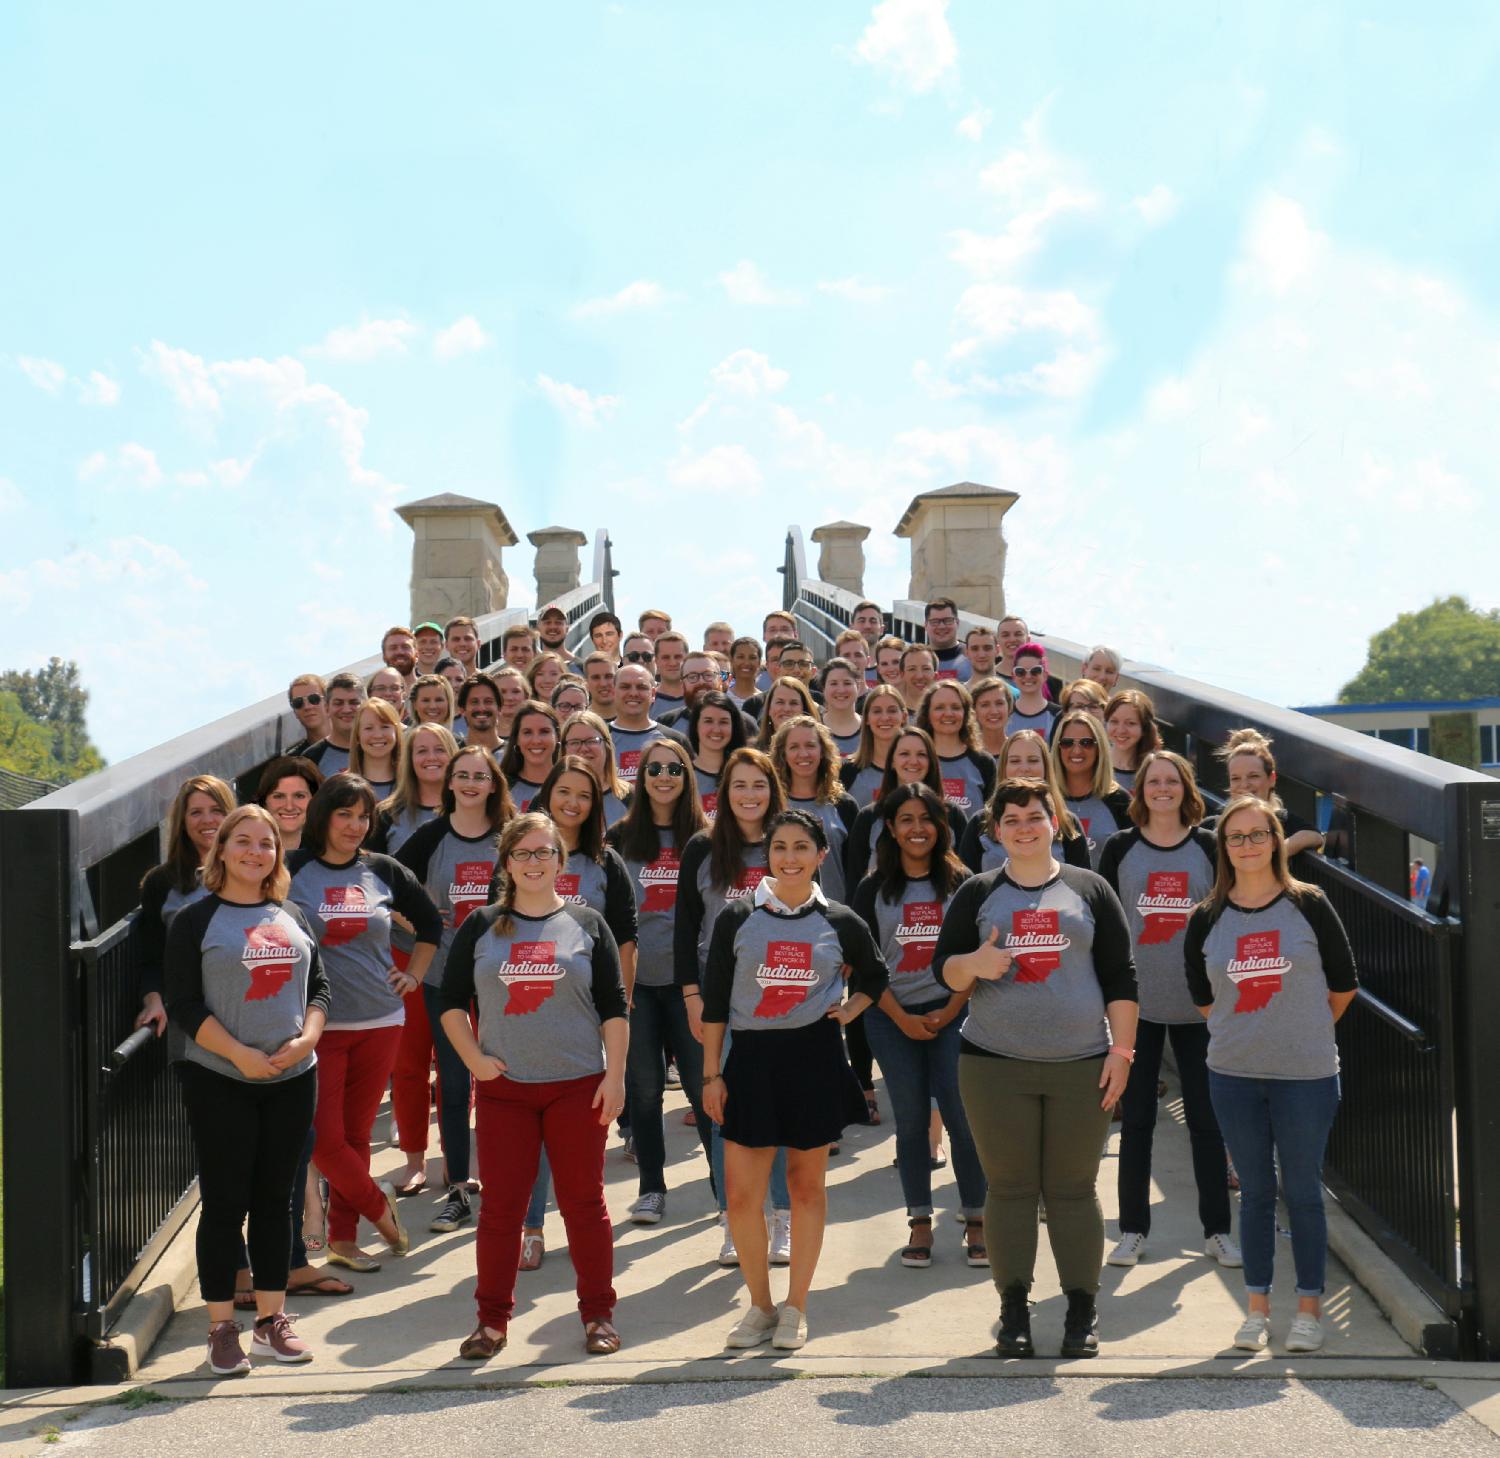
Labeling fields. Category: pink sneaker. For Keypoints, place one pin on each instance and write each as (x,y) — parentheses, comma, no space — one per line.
(274,1337)
(225,1355)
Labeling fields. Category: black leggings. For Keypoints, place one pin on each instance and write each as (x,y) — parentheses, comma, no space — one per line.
(249,1138)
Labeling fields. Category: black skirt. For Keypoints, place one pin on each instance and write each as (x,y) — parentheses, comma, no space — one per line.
(790,1087)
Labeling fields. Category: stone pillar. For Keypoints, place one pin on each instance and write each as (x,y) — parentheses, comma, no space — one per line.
(957,547)
(841,555)
(455,560)
(557,569)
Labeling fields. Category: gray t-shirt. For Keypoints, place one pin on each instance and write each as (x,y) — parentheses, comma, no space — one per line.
(1072,957)
(767,969)
(630,744)
(1159,887)
(654,884)
(329,758)
(906,931)
(1267,971)
(256,969)
(455,871)
(543,990)
(699,902)
(967,781)
(708,792)
(837,817)
(1099,819)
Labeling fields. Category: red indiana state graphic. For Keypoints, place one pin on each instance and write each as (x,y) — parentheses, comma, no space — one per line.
(659,882)
(269,959)
(345,914)
(530,977)
(785,978)
(917,935)
(470,888)
(1037,944)
(1163,907)
(1257,970)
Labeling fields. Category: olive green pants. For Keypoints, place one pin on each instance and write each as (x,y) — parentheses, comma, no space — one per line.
(1039,1131)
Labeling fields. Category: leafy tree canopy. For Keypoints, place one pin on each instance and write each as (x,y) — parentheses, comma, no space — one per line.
(42,724)
(1447,650)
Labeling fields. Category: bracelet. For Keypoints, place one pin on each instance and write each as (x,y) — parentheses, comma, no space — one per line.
(687,995)
(712,1077)
(1128,1054)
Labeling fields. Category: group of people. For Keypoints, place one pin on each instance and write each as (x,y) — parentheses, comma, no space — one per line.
(561,881)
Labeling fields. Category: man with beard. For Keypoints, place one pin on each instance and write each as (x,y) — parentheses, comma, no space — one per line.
(398,650)
(552,629)
(700,675)
(479,703)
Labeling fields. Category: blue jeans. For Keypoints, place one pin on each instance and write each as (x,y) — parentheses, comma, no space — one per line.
(658,1025)
(1138,1127)
(781,1196)
(916,1072)
(1285,1121)
(454,1085)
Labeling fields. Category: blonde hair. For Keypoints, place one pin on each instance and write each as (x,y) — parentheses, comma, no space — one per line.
(610,781)
(515,831)
(431,680)
(1104,772)
(1252,742)
(277,881)
(1225,873)
(1091,689)
(1067,822)
(407,794)
(382,710)
(802,692)
(829,786)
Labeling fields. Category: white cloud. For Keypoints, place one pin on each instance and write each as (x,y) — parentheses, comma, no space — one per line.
(1067,375)
(911,42)
(642,294)
(1156,206)
(99,389)
(185,375)
(1282,247)
(367,340)
(576,404)
(998,311)
(747,372)
(745,283)
(45,374)
(131,464)
(462,336)
(722,470)
(12,498)
(972,126)
(855,290)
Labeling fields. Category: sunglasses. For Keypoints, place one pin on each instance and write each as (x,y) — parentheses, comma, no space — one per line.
(657,768)
(1087,742)
(1030,672)
(639,655)
(314,699)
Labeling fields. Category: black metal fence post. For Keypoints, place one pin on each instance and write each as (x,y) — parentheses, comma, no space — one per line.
(41,1017)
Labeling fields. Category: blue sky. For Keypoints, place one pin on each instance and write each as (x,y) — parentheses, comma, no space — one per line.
(1213,287)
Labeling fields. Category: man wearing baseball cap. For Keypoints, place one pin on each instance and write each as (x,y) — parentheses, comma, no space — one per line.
(552,629)
(429,638)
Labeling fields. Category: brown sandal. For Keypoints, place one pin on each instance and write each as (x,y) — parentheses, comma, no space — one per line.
(600,1339)
(480,1346)
(975,1251)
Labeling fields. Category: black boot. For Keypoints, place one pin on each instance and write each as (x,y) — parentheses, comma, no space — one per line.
(1080,1326)
(1014,1339)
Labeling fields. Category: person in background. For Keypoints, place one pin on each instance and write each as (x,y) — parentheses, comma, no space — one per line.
(377,746)
(198,809)
(387,685)
(1031,709)
(980,648)
(518,647)
(1025,757)
(586,735)
(530,752)
(428,641)
(549,1067)
(869,621)
(1083,770)
(605,633)
(1103,666)
(479,703)
(913,760)
(461,641)
(967,771)
(992,699)
(700,677)
(718,638)
(511,685)
(1047,1045)
(1160,868)
(940,617)
(788,698)
(777,627)
(850,645)
(331,753)
(634,727)
(1270,968)
(453,671)
(918,674)
(247,1074)
(843,689)
(287,786)
(653,623)
(797,662)
(432,701)
(1130,723)
(1421,881)
(552,631)
(544,675)
(599,675)
(671,693)
(807,763)
(569,697)
(1086,694)
(1251,768)
(888,653)
(638,648)
(715,729)
(882,719)
(1010,632)
(398,650)
(745,660)
(308,696)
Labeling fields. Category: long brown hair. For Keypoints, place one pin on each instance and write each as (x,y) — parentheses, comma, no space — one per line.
(511,763)
(968,731)
(182,856)
(829,786)
(933,779)
(1280,862)
(516,830)
(809,708)
(1192,808)
(864,756)
(591,832)
(499,807)
(638,838)
(944,869)
(726,860)
(1150,740)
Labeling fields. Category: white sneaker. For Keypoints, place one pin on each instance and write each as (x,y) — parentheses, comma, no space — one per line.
(1128,1251)
(753,1328)
(791,1329)
(728,1255)
(1222,1248)
(1305,1334)
(649,1209)
(1254,1334)
(780,1253)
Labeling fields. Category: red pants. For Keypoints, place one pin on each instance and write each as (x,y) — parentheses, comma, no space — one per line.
(353,1067)
(514,1121)
(411,1078)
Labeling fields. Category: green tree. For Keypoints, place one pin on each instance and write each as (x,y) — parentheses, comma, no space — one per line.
(1447,650)
(25,745)
(56,701)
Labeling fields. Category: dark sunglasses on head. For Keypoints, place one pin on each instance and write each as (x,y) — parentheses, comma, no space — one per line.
(1087,742)
(314,699)
(657,768)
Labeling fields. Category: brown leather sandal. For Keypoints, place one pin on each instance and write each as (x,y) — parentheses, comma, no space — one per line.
(480,1346)
(600,1339)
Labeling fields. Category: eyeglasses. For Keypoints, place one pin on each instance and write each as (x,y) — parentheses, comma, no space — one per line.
(657,768)
(482,777)
(1087,742)
(313,699)
(941,622)
(1036,672)
(594,741)
(700,678)
(1254,837)
(639,655)
(543,854)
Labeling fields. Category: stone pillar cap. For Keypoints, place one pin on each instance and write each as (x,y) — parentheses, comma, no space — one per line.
(448,503)
(959,491)
(571,535)
(840,529)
